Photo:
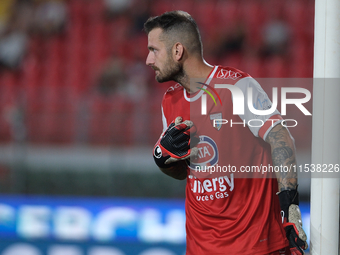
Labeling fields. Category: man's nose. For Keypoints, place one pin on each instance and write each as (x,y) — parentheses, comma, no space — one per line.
(149,60)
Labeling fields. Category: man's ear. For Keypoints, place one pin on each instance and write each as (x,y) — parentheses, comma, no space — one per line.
(178,51)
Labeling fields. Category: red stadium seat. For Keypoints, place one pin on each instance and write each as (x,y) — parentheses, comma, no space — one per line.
(227,12)
(253,66)
(109,119)
(204,14)
(161,6)
(233,60)
(275,67)
(8,104)
(183,5)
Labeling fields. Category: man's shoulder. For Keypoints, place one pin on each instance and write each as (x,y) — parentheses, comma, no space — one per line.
(230,74)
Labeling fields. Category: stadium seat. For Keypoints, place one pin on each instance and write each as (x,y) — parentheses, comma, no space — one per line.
(275,67)
(160,6)
(253,66)
(227,12)
(109,118)
(204,13)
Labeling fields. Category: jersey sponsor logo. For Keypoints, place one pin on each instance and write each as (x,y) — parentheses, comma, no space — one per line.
(211,188)
(207,153)
(228,74)
(157,152)
(222,183)
(213,118)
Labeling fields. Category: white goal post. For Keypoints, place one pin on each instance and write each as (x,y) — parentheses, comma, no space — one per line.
(324,237)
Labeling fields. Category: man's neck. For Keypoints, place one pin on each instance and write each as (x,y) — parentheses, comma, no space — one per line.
(194,69)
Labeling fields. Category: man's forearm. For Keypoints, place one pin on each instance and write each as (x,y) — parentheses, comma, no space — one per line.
(283,155)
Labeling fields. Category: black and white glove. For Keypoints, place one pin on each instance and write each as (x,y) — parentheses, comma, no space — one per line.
(292,223)
(174,144)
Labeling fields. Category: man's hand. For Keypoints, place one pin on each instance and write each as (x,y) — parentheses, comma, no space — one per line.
(174,144)
(292,223)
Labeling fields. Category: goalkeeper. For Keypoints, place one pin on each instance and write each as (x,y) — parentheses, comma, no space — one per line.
(225,215)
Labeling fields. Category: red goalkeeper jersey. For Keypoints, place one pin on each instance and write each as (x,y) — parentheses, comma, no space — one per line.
(229,213)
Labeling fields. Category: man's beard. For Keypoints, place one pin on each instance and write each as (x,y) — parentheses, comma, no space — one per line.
(172,72)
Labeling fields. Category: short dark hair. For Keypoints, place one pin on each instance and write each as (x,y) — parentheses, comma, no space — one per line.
(177,26)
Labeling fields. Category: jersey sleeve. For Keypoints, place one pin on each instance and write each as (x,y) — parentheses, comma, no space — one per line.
(164,121)
(165,110)
(259,125)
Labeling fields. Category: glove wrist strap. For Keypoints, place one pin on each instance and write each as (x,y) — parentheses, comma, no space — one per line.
(160,158)
(287,198)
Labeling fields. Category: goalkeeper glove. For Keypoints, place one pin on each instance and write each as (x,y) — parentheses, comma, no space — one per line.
(174,144)
(292,223)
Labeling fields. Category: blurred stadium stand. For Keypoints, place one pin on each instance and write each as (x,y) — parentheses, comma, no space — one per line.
(62,133)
